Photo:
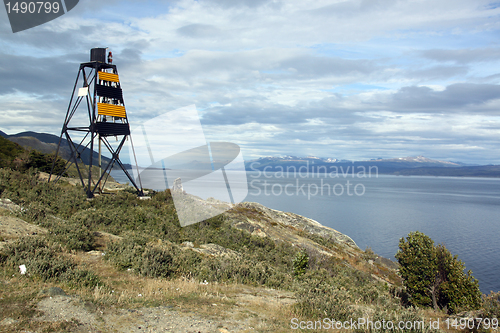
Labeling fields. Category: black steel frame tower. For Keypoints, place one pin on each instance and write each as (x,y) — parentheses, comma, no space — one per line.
(98,93)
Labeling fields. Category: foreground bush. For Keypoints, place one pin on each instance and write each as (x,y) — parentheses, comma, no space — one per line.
(45,262)
(434,277)
(169,260)
(492,305)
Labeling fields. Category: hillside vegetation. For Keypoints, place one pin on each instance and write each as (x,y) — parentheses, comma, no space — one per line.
(8,152)
(146,260)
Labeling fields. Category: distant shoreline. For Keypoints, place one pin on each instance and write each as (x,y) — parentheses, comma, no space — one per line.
(394,174)
(484,171)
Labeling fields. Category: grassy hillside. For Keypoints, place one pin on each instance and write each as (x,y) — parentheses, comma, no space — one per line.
(141,245)
(8,151)
(47,143)
(39,156)
(144,257)
(43,137)
(31,143)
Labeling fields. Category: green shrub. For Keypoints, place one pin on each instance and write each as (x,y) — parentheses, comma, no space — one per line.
(434,277)
(81,278)
(40,198)
(169,260)
(43,162)
(43,261)
(239,270)
(491,305)
(126,253)
(156,262)
(300,263)
(8,152)
(73,236)
(34,212)
(318,295)
(418,266)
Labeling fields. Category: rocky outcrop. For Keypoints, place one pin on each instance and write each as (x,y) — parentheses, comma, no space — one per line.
(263,221)
(302,223)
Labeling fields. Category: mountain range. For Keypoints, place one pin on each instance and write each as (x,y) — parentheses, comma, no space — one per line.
(47,144)
(407,166)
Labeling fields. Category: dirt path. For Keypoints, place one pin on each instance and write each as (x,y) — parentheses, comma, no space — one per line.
(165,318)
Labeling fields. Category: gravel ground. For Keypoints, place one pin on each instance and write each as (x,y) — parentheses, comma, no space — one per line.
(157,319)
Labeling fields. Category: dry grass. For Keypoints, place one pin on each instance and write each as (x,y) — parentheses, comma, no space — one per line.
(126,289)
(131,290)
(260,309)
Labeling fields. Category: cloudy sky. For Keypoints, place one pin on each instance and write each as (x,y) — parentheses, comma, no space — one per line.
(354,79)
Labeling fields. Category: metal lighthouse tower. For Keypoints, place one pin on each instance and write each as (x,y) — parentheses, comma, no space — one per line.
(97,96)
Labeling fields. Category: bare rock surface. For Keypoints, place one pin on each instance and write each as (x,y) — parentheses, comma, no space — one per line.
(265,222)
(12,228)
(301,223)
(8,204)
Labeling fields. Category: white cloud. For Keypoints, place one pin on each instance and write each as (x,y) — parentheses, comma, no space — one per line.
(366,76)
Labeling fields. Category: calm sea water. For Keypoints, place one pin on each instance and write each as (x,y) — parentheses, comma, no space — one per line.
(462,213)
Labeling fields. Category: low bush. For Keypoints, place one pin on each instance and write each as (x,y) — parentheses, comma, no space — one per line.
(169,260)
(73,236)
(300,263)
(44,261)
(491,305)
(156,262)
